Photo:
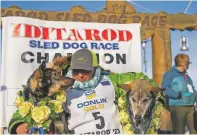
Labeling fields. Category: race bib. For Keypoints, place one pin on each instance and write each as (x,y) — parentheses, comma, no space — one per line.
(190,88)
(94,111)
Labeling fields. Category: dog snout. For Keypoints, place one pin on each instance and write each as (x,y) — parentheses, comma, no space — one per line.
(138,117)
(66,81)
(72,81)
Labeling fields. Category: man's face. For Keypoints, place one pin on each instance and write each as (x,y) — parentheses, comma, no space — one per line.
(185,66)
(82,75)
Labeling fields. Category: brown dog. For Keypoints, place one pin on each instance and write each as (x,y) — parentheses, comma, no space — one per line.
(141,97)
(48,81)
(45,82)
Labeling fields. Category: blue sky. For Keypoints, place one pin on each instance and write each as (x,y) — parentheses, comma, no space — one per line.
(170,7)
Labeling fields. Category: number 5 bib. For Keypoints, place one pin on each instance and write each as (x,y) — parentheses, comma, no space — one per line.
(94,111)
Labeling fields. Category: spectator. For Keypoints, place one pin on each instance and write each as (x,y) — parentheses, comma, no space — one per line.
(181,95)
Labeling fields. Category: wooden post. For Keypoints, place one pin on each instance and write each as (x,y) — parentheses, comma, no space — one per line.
(161,51)
(169,53)
(162,62)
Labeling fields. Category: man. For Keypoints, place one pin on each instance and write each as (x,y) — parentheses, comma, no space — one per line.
(181,94)
(92,101)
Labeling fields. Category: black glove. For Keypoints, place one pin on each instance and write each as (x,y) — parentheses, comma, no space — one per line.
(179,95)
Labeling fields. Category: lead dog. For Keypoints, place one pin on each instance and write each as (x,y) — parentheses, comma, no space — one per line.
(45,82)
(141,96)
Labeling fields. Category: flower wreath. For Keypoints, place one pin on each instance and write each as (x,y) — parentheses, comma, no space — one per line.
(39,115)
(128,128)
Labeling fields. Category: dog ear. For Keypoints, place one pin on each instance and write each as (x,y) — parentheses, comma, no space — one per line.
(125,87)
(38,73)
(157,89)
(41,68)
(69,58)
(43,65)
(59,62)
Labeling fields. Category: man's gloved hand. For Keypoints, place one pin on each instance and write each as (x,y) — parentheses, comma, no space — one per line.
(179,95)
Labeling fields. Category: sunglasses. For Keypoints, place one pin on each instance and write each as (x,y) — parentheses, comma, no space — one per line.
(189,62)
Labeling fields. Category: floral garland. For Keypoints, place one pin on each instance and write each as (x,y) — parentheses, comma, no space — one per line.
(125,119)
(41,114)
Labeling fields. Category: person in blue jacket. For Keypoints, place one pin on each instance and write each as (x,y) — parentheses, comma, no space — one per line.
(181,95)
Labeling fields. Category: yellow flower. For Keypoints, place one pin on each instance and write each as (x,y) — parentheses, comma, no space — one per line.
(152,131)
(124,117)
(40,114)
(158,110)
(128,132)
(127,129)
(24,109)
(156,122)
(61,96)
(38,125)
(58,105)
(121,102)
(19,100)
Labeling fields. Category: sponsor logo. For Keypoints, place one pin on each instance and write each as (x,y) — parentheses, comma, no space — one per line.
(90,94)
(92,104)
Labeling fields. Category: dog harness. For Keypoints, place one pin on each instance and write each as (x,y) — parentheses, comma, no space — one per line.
(93,111)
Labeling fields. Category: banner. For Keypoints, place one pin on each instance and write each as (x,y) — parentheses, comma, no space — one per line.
(27,42)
